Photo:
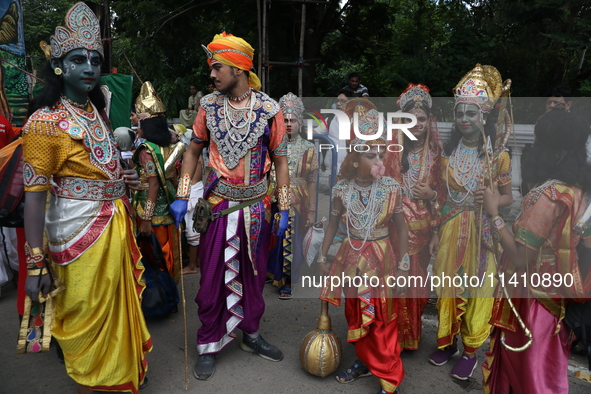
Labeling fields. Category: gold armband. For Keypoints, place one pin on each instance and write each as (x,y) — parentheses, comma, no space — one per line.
(283,198)
(34,257)
(149,210)
(184,190)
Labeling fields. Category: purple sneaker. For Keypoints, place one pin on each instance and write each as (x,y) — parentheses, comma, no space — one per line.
(464,368)
(441,356)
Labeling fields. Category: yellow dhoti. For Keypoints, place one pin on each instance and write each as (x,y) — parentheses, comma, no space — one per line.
(99,323)
(465,309)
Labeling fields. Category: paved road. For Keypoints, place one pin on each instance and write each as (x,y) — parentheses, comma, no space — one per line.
(285,324)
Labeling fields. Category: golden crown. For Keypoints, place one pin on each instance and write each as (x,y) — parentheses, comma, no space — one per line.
(148,101)
(481,86)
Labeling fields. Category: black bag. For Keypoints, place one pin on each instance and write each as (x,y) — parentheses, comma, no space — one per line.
(12,199)
(578,315)
(578,319)
(161,296)
(202,215)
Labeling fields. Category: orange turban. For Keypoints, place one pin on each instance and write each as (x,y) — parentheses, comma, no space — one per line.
(234,52)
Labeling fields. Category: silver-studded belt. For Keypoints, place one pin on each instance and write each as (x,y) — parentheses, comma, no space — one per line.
(229,191)
(88,189)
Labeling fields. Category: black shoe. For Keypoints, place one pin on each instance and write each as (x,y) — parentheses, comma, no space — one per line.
(261,347)
(205,367)
(60,353)
(145,383)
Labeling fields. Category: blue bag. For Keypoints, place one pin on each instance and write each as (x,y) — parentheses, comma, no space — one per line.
(161,296)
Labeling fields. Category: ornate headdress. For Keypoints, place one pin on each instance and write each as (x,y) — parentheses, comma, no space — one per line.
(234,52)
(481,86)
(417,93)
(148,104)
(82,30)
(292,104)
(369,124)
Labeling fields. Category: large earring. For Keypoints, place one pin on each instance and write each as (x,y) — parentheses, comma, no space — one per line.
(57,71)
(355,164)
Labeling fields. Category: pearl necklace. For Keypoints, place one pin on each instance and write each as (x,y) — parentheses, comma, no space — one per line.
(415,170)
(363,210)
(237,132)
(466,167)
(411,177)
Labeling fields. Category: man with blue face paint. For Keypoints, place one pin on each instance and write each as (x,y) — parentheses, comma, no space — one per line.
(98,320)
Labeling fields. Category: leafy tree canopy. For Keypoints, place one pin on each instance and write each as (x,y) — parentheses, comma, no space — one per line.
(538,44)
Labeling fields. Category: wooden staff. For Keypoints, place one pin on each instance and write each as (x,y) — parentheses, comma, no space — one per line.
(184,308)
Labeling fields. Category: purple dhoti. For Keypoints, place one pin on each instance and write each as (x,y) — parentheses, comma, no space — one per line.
(230,294)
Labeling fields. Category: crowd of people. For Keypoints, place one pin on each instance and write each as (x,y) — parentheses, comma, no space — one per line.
(252,198)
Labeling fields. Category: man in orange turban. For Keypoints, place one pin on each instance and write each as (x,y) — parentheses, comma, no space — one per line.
(234,52)
(245,132)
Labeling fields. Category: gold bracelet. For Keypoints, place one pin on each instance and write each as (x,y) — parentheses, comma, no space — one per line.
(37,272)
(149,210)
(283,198)
(34,257)
(321,259)
(184,190)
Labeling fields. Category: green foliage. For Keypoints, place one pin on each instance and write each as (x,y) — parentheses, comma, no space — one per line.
(40,18)
(538,44)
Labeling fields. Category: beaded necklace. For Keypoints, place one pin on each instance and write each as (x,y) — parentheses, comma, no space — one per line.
(419,162)
(466,166)
(295,151)
(363,209)
(238,132)
(95,138)
(75,104)
(242,97)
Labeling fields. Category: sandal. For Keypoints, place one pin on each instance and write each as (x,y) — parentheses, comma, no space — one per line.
(285,290)
(357,370)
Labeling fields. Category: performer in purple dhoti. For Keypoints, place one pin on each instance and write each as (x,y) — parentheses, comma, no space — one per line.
(245,132)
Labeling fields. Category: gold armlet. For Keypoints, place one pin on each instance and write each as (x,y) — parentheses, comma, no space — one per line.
(184,189)
(283,198)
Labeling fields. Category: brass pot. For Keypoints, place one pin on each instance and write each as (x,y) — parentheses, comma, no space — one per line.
(320,351)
